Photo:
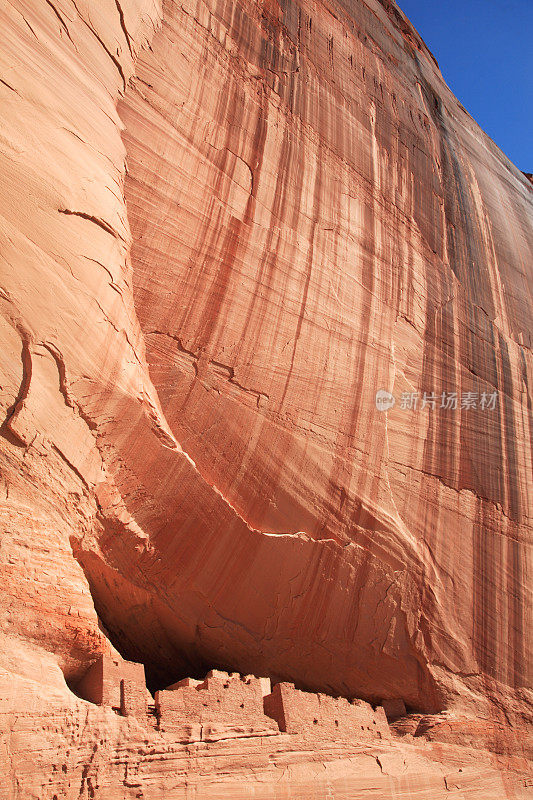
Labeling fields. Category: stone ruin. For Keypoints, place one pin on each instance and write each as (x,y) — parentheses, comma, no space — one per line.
(112,681)
(300,712)
(226,704)
(221,701)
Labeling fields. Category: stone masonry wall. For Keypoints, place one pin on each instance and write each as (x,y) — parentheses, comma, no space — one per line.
(297,712)
(112,681)
(221,699)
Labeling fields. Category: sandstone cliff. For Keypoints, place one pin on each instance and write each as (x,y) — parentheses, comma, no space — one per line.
(224,227)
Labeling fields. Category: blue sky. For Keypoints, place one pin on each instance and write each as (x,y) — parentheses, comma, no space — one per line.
(485,52)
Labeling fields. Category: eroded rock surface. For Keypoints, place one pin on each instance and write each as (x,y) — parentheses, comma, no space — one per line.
(194,469)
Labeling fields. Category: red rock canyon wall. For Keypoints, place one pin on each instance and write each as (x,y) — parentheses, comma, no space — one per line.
(224,226)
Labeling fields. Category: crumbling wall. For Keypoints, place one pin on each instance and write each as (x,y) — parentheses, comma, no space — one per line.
(297,712)
(244,705)
(221,699)
(112,681)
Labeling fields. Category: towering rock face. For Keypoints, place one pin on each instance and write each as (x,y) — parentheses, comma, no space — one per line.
(203,289)
(315,218)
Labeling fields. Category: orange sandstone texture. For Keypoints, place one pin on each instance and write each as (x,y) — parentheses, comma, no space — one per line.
(194,470)
(315,218)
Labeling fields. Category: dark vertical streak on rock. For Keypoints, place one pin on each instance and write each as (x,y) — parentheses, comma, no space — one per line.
(309,270)
(465,246)
(518,667)
(484,632)
(510,433)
